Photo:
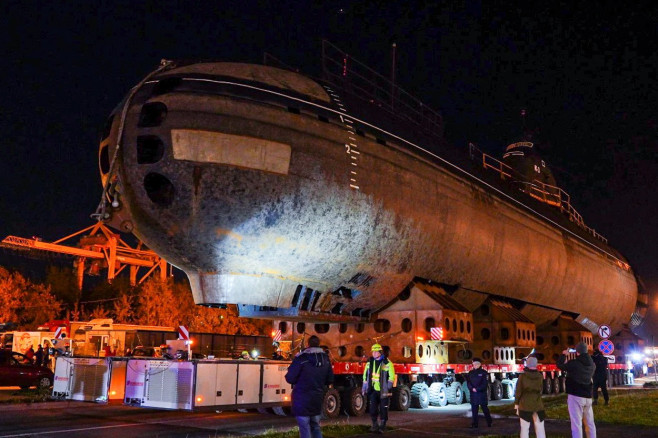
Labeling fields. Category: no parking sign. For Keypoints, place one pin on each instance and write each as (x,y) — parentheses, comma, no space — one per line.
(606,346)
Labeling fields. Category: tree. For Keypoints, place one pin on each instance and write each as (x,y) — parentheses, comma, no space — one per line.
(157,304)
(171,304)
(123,310)
(26,303)
(63,284)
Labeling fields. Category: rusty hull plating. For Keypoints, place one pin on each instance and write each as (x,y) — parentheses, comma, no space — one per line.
(258,182)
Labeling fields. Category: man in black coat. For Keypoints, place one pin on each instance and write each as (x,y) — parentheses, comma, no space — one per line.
(600,378)
(309,373)
(579,389)
(477,381)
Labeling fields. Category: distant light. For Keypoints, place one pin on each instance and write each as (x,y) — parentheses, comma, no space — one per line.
(254,354)
(636,357)
(113,393)
(188,342)
(420,338)
(199,399)
(285,398)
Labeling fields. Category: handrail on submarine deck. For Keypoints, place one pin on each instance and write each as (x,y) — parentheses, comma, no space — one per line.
(549,194)
(340,68)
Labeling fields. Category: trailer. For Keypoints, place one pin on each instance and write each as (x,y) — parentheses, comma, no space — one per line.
(174,384)
(432,338)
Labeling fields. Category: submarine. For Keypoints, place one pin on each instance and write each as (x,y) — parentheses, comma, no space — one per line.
(323,199)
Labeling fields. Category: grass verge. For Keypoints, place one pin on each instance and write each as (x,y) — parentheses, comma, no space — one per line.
(330,431)
(632,407)
(28,396)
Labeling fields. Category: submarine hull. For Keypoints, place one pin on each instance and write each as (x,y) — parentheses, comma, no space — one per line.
(261,186)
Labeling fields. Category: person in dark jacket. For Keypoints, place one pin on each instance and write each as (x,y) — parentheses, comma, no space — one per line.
(527,399)
(38,356)
(600,379)
(378,379)
(309,373)
(478,381)
(580,370)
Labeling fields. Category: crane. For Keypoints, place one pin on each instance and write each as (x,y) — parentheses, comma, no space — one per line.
(98,248)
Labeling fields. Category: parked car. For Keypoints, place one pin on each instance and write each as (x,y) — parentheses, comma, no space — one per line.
(16,369)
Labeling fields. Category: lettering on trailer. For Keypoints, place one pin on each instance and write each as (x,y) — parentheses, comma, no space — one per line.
(183,333)
(276,335)
(606,346)
(436,333)
(604,332)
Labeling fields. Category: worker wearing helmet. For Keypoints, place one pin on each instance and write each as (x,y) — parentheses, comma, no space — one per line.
(378,378)
(245,355)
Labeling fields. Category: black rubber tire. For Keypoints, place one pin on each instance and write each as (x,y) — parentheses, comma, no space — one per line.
(354,403)
(438,395)
(280,411)
(508,389)
(454,393)
(547,385)
(331,403)
(563,383)
(556,385)
(466,392)
(401,398)
(496,390)
(420,396)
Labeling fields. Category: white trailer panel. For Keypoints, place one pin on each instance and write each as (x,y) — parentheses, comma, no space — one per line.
(248,383)
(83,379)
(216,385)
(275,387)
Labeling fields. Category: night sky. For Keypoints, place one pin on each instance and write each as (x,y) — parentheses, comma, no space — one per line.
(586,75)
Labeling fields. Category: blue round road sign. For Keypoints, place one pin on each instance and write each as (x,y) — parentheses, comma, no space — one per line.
(606,346)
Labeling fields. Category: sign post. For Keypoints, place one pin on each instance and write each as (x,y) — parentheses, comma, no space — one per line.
(606,347)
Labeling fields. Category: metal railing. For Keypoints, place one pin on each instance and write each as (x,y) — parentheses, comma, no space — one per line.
(549,194)
(341,69)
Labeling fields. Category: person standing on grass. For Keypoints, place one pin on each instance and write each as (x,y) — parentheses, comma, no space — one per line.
(600,379)
(527,399)
(579,390)
(309,373)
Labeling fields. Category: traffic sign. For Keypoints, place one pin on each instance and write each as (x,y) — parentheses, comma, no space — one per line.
(604,332)
(183,333)
(606,346)
(610,357)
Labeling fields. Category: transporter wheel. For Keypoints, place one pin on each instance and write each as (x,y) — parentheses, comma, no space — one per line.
(454,393)
(556,385)
(331,403)
(420,396)
(563,383)
(496,390)
(401,398)
(466,392)
(354,403)
(438,396)
(508,388)
(279,410)
(547,385)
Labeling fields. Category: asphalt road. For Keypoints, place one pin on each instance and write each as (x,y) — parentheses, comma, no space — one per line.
(80,419)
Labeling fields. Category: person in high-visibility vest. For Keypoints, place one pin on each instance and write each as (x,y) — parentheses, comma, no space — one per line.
(378,378)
